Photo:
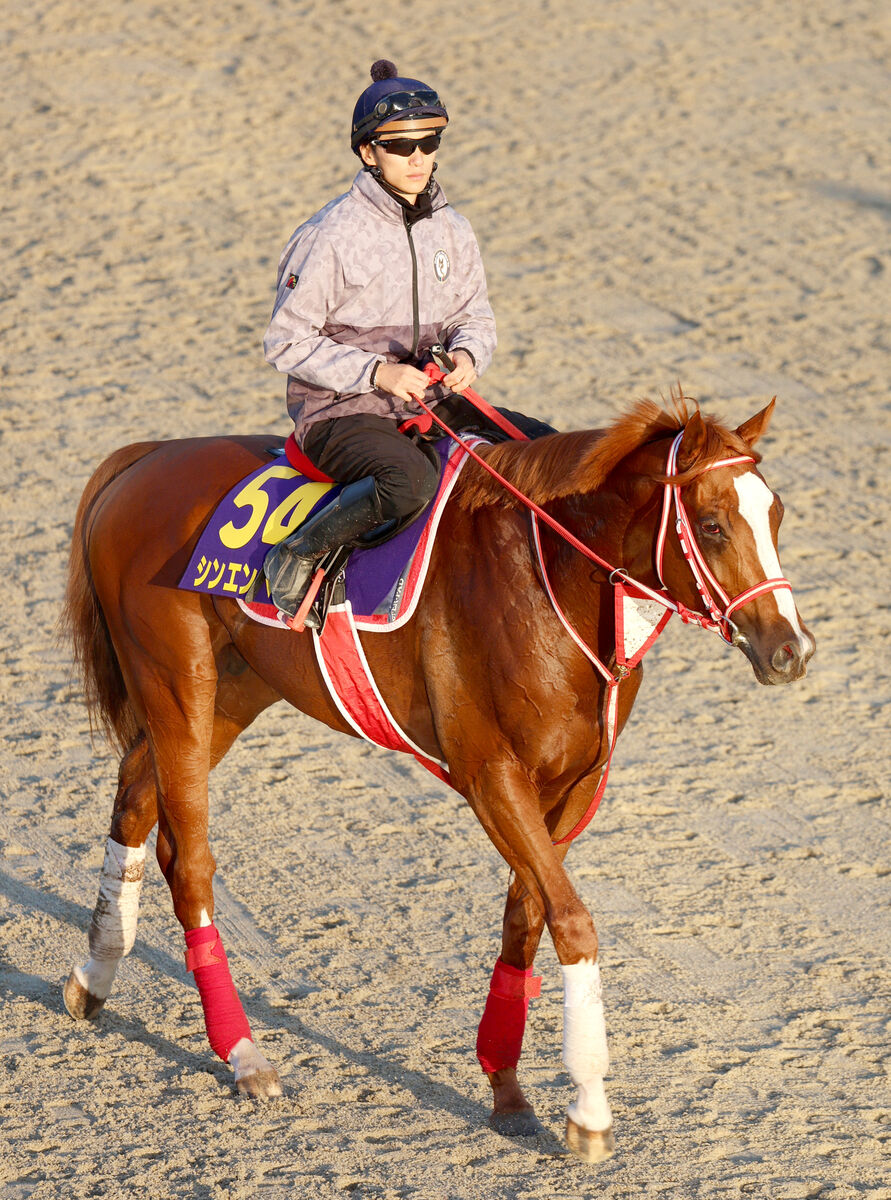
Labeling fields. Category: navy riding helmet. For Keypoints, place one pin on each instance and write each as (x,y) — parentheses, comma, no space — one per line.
(391,97)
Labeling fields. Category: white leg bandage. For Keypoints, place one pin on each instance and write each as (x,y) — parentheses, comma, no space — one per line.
(584,1044)
(113,926)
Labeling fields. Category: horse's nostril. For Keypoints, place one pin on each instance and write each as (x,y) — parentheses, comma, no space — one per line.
(784,658)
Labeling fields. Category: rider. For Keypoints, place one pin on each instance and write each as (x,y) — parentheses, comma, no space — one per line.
(366,287)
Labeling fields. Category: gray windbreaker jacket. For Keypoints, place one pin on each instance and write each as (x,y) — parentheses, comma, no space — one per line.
(357,285)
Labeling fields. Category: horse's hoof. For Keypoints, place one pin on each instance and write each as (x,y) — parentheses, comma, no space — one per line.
(79,1003)
(523,1123)
(260,1085)
(589,1145)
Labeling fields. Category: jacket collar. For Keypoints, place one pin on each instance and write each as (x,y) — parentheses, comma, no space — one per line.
(369,191)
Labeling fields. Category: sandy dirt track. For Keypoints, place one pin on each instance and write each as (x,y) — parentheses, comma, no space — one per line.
(662,191)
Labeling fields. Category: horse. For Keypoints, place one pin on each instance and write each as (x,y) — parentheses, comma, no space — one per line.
(504,673)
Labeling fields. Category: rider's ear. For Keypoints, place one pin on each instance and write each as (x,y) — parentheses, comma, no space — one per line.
(750,431)
(692,443)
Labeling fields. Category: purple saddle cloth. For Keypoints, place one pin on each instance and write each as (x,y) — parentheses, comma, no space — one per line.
(270,503)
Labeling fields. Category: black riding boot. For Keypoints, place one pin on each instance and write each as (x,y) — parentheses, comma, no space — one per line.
(290,565)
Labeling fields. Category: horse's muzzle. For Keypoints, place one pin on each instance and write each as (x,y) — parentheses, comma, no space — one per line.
(785,663)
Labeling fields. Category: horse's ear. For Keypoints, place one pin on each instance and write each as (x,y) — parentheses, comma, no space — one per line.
(750,431)
(692,443)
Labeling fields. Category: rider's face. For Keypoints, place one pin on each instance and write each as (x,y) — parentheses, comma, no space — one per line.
(407,176)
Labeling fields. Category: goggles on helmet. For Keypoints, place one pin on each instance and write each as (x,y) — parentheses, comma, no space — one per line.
(409,105)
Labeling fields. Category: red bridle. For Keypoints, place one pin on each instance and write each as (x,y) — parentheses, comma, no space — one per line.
(714,618)
(718,618)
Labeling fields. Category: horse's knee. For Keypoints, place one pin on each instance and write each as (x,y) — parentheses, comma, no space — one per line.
(521,933)
(574,934)
(136,802)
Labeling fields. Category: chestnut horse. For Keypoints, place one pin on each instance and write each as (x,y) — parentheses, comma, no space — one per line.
(490,676)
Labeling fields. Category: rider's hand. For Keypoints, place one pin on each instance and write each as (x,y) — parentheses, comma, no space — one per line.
(464,373)
(402,380)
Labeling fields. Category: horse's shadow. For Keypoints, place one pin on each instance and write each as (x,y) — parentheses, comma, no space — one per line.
(431,1093)
(854,195)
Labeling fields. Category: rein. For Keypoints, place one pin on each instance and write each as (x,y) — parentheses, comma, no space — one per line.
(435,375)
(627,590)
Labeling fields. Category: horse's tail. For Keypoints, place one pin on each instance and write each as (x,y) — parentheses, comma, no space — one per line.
(83,622)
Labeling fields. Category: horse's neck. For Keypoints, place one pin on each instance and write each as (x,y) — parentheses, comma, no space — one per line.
(618,521)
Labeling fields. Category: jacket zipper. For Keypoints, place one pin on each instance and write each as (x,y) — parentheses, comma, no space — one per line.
(416,322)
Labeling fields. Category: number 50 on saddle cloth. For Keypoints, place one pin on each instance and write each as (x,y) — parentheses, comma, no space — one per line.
(380,586)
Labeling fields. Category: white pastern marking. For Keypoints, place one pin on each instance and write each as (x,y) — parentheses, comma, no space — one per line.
(96,977)
(755,500)
(246,1060)
(204,920)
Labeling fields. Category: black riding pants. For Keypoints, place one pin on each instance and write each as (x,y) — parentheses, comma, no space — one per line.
(404,469)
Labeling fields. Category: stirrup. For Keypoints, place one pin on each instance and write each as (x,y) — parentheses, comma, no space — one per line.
(313,600)
(287,576)
(306,616)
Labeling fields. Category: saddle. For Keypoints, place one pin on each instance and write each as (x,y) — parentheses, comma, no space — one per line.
(380,577)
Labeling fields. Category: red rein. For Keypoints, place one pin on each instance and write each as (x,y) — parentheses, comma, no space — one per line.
(714,618)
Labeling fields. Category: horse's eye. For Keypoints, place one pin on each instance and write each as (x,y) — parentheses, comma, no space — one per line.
(712,528)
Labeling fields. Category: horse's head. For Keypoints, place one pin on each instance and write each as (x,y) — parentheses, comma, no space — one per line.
(729,519)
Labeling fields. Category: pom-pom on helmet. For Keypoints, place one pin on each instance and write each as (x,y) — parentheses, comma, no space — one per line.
(390,97)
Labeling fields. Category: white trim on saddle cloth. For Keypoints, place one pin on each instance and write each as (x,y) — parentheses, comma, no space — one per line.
(416,572)
(353,689)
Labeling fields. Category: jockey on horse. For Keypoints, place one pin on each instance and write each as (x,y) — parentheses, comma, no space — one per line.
(366,287)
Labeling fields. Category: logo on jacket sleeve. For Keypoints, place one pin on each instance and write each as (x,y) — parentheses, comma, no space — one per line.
(441,265)
(292,281)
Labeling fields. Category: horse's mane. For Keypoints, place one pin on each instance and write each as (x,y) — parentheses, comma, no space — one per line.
(567,464)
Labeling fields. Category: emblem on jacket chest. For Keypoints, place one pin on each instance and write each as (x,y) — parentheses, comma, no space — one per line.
(441,265)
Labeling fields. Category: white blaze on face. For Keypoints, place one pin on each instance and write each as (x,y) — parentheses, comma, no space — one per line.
(755,500)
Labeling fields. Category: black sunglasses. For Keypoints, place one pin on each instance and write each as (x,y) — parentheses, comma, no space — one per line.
(406,146)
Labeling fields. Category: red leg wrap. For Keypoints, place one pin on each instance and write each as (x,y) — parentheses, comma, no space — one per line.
(224,1017)
(500,1037)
